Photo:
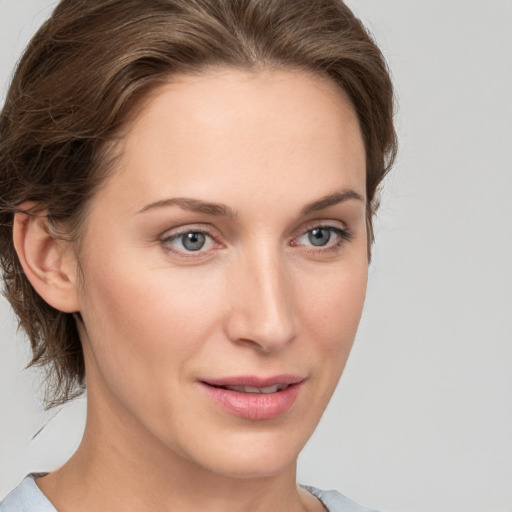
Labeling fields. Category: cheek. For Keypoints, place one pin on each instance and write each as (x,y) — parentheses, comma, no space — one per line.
(144,322)
(334,302)
(330,313)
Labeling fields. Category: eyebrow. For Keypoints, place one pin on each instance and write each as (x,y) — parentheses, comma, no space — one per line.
(331,200)
(221,210)
(194,205)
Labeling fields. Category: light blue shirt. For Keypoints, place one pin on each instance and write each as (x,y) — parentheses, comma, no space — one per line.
(28,498)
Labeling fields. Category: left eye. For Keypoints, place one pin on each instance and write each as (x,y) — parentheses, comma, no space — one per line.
(190,241)
(322,236)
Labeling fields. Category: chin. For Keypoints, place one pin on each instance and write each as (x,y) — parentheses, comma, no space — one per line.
(250,455)
(259,466)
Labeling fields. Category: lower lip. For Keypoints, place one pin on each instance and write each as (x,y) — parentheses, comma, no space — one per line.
(254,406)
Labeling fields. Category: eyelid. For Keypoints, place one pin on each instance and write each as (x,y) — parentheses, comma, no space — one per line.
(321,223)
(326,223)
(206,229)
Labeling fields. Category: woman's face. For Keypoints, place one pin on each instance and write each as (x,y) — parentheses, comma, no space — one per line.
(224,270)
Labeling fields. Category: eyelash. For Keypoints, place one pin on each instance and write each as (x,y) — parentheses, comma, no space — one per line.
(343,236)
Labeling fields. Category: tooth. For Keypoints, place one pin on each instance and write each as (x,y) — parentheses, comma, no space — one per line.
(244,389)
(270,389)
(251,389)
(240,389)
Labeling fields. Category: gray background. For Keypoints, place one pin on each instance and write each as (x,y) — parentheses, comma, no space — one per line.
(422,420)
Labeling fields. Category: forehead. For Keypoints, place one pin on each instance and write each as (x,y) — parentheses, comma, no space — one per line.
(234,131)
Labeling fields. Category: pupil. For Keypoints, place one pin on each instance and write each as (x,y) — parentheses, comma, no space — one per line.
(319,236)
(193,241)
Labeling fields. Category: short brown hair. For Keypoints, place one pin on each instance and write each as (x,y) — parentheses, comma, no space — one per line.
(92,60)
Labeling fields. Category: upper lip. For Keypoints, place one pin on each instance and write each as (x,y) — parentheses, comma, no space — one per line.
(254,381)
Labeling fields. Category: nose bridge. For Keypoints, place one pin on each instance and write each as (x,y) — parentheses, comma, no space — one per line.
(262,308)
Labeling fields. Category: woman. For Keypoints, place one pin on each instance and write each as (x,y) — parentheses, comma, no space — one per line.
(187,199)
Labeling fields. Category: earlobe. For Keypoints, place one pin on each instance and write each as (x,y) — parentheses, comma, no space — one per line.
(48,262)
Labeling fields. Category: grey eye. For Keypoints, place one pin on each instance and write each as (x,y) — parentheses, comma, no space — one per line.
(193,241)
(319,236)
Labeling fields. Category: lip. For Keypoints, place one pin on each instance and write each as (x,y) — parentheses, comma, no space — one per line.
(254,406)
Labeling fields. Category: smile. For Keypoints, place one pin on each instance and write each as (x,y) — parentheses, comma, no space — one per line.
(253,398)
(252,389)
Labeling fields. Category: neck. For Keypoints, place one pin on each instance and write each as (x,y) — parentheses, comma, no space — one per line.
(119,465)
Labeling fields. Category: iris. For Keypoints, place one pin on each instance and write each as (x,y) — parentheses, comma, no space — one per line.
(193,241)
(319,236)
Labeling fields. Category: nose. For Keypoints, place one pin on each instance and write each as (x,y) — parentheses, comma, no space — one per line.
(261,310)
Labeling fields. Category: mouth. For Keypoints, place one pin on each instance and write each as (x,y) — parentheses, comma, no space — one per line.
(254,398)
(253,389)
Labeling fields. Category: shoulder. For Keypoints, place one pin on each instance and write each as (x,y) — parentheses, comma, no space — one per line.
(26,498)
(334,501)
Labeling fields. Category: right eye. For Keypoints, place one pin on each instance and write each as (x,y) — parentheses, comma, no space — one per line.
(189,242)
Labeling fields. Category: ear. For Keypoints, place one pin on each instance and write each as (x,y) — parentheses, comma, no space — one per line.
(49,263)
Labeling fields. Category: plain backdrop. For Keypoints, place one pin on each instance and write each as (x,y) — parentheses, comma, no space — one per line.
(422,419)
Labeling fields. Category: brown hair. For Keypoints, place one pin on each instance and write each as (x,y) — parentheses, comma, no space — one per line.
(92,60)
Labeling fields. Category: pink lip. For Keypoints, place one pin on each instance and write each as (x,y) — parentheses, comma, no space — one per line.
(254,406)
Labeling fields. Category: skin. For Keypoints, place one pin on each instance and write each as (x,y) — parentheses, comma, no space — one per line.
(257,299)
